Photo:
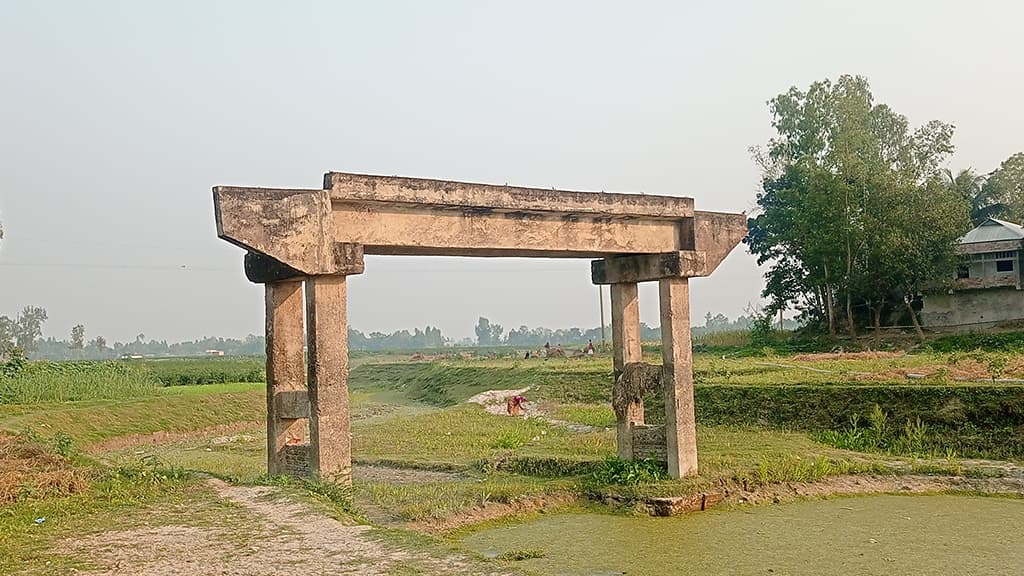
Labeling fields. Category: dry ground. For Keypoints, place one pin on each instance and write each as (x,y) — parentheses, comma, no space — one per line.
(266,535)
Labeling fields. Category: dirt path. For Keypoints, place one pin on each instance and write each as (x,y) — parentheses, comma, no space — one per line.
(274,535)
(493,402)
(168,437)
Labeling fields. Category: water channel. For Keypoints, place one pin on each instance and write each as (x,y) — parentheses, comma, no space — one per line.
(883,535)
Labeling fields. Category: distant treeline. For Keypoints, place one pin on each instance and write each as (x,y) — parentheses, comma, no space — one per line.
(430,337)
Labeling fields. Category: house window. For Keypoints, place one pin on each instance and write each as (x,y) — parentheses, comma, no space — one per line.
(1004,265)
(963,271)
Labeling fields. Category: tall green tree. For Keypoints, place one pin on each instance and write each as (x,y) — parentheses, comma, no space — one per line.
(77,340)
(7,335)
(28,327)
(1006,185)
(488,334)
(975,190)
(842,178)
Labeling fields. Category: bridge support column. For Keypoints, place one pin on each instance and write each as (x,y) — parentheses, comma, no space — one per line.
(626,349)
(677,379)
(330,446)
(287,412)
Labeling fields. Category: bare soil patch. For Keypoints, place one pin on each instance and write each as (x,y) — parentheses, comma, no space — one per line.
(168,437)
(276,535)
(865,355)
(403,475)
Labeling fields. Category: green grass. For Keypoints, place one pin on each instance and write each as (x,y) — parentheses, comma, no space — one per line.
(38,382)
(596,415)
(206,370)
(93,421)
(113,497)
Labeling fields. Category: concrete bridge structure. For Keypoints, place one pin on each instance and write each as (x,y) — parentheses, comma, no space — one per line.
(306,242)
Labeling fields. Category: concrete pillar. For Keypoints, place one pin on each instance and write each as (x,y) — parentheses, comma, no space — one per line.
(626,349)
(330,447)
(677,379)
(286,373)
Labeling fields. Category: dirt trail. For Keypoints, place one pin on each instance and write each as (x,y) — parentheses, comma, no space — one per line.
(288,538)
(493,402)
(167,437)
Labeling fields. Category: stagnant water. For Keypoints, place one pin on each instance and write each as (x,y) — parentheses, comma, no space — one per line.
(884,535)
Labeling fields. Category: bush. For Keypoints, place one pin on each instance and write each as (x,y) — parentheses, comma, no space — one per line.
(613,470)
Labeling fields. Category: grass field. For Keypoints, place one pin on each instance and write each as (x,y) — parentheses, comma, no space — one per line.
(423,455)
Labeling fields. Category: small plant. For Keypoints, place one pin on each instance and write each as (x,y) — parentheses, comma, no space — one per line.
(613,470)
(519,555)
(509,440)
(63,444)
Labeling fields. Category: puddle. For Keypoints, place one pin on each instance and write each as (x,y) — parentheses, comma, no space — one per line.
(866,535)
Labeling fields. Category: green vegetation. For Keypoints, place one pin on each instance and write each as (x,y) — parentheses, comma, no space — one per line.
(424,457)
(193,371)
(614,470)
(36,382)
(89,422)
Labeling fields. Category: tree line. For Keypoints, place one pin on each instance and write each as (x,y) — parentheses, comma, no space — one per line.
(23,336)
(857,217)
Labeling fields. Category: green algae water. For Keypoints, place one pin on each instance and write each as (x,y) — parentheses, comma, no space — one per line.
(883,535)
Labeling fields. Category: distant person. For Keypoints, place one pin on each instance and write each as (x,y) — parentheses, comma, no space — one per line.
(590,347)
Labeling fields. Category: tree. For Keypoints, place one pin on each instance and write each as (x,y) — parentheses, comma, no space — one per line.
(77,339)
(842,180)
(975,190)
(488,334)
(100,343)
(28,327)
(7,336)
(1006,185)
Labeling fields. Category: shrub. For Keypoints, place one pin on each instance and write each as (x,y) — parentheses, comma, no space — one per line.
(613,470)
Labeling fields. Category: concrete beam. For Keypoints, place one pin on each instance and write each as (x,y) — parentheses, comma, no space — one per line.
(716,234)
(411,216)
(330,443)
(286,376)
(677,378)
(421,192)
(647,267)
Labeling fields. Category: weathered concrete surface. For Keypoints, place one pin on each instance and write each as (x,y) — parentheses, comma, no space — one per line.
(680,421)
(391,215)
(420,192)
(626,349)
(649,442)
(262,269)
(647,267)
(444,232)
(285,370)
(291,226)
(330,450)
(716,234)
(973,309)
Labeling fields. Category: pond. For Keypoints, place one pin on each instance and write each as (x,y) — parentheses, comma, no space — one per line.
(865,535)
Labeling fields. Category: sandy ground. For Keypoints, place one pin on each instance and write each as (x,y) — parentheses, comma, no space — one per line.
(494,402)
(289,538)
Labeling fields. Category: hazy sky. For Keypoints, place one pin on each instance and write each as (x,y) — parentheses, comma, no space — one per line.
(116,119)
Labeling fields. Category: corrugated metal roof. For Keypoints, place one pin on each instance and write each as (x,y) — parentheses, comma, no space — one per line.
(993,230)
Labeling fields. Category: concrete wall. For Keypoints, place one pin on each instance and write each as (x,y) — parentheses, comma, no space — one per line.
(973,309)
